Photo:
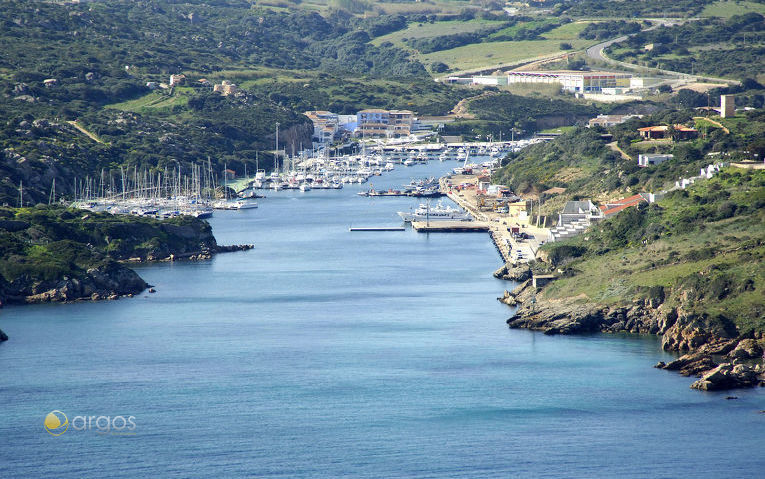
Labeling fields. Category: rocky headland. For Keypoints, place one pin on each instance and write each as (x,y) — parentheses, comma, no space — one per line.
(713,351)
(57,254)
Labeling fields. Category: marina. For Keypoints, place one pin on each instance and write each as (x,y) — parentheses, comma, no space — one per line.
(176,192)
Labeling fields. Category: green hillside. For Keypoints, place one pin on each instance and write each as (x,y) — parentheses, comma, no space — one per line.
(699,249)
(100,56)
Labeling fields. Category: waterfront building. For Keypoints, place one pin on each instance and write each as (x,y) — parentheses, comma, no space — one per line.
(325,125)
(378,122)
(575,217)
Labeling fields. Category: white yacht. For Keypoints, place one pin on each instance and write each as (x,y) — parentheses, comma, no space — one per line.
(233,205)
(425,212)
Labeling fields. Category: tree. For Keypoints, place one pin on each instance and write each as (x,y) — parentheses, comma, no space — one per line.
(438,67)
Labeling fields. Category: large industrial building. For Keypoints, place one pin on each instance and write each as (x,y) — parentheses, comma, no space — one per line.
(573,81)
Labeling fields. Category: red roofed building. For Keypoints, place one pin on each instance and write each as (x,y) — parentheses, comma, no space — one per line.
(611,208)
(662,131)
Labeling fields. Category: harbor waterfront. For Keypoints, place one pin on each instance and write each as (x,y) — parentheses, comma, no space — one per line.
(329,353)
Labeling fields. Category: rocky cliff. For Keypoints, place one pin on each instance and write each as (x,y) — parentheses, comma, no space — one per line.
(713,350)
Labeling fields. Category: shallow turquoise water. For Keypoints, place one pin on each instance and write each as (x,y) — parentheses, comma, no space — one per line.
(325,353)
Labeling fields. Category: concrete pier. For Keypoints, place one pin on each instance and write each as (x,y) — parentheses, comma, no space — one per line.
(376,228)
(441,226)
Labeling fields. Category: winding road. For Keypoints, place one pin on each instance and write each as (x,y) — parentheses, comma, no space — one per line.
(597,52)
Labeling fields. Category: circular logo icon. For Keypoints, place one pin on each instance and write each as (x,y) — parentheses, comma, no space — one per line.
(56,423)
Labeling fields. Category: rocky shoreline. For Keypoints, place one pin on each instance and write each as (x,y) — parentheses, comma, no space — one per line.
(107,282)
(719,356)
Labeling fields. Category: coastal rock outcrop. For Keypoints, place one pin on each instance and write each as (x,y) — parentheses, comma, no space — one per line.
(728,376)
(3,336)
(746,349)
(698,337)
(690,364)
(513,272)
(106,281)
(522,293)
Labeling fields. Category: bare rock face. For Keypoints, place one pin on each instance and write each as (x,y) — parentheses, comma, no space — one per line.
(728,376)
(692,364)
(746,349)
(513,272)
(524,292)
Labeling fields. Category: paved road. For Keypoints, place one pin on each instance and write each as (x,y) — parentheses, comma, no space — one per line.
(597,52)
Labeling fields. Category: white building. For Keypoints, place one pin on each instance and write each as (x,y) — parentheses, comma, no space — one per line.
(575,81)
(491,80)
(575,217)
(610,120)
(179,79)
(325,125)
(651,159)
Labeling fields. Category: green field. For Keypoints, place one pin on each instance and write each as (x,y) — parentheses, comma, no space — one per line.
(497,53)
(436,29)
(429,7)
(562,129)
(569,31)
(727,9)
(154,101)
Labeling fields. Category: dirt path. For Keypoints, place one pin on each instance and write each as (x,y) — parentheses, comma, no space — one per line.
(85,132)
(461,109)
(716,123)
(615,147)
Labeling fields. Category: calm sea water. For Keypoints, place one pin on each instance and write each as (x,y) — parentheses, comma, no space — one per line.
(326,353)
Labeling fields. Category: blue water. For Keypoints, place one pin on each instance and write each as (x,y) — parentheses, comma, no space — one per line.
(326,353)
